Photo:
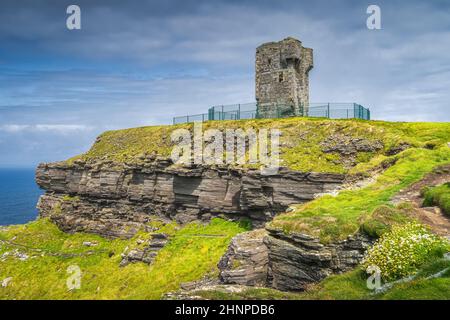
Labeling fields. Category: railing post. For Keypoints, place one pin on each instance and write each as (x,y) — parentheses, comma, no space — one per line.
(239,112)
(328,110)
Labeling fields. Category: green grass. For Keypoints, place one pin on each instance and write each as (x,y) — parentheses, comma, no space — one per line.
(335,218)
(438,196)
(348,286)
(403,250)
(383,218)
(422,288)
(330,218)
(187,257)
(247,293)
(352,285)
(300,141)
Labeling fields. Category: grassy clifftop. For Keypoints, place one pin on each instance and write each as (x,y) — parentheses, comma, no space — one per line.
(306,144)
(34,258)
(334,218)
(408,150)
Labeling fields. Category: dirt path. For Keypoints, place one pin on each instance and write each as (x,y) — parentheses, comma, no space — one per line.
(431,216)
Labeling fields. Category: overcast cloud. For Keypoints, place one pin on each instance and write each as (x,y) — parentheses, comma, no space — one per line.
(138,63)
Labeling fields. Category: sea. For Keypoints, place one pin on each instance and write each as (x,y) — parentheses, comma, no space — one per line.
(18,196)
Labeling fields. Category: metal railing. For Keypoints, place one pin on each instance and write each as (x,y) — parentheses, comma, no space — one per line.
(250,111)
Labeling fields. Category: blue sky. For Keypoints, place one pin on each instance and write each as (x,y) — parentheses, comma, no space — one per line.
(138,63)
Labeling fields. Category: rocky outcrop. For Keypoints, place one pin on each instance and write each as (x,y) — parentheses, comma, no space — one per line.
(297,260)
(287,262)
(246,260)
(117,199)
(348,147)
(147,252)
(207,291)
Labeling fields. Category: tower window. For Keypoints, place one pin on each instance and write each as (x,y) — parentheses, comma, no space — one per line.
(280,77)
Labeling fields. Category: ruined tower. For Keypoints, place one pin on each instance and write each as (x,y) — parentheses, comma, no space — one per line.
(282,84)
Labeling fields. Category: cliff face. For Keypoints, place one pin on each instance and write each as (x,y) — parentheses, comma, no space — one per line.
(298,260)
(288,262)
(116,200)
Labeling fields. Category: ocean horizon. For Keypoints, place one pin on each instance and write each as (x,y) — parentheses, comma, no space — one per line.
(19,195)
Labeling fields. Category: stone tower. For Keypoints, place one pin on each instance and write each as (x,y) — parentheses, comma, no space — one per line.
(282,84)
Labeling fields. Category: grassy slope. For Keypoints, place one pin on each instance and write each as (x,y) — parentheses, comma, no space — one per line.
(301,150)
(438,196)
(352,286)
(189,255)
(348,210)
(300,140)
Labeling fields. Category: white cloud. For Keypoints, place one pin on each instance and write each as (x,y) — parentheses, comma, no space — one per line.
(57,128)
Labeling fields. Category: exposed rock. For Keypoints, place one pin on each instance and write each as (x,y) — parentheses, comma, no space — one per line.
(348,147)
(297,260)
(206,281)
(246,260)
(116,200)
(287,262)
(398,148)
(21,256)
(147,253)
(433,216)
(193,294)
(89,244)
(6,281)
(16,253)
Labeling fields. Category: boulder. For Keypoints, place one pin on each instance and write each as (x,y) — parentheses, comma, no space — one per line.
(246,260)
(298,260)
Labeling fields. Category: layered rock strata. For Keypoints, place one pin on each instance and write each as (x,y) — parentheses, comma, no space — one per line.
(287,262)
(116,200)
(298,260)
(246,260)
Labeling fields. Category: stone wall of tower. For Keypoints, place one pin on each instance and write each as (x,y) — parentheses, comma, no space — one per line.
(282,84)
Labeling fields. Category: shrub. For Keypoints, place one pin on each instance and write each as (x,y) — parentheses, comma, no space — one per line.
(383,218)
(403,250)
(438,196)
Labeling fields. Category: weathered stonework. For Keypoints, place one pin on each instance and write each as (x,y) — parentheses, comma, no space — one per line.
(117,199)
(282,83)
